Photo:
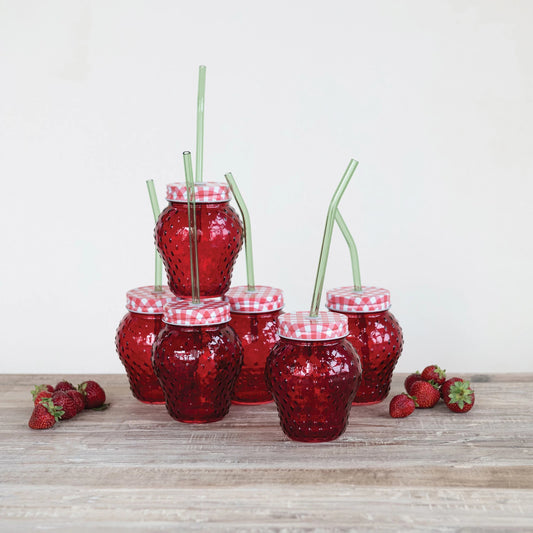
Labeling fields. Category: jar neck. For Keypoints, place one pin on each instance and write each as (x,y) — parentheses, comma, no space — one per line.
(326,342)
(266,314)
(199,205)
(372,314)
(192,329)
(147,316)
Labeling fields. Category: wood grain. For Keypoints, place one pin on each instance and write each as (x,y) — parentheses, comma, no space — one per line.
(133,468)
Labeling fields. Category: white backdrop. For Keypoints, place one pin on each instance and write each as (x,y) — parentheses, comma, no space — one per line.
(433,98)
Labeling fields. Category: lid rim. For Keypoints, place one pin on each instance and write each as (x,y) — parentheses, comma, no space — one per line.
(254,312)
(185,313)
(299,326)
(357,311)
(299,339)
(263,299)
(196,325)
(205,192)
(144,312)
(145,300)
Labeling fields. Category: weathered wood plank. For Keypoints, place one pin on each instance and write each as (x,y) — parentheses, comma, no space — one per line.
(134,468)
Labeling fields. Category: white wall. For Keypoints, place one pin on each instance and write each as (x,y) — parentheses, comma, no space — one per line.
(433,98)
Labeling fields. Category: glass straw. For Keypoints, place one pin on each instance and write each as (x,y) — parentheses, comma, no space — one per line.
(200,126)
(158,285)
(353,251)
(193,242)
(326,241)
(247,230)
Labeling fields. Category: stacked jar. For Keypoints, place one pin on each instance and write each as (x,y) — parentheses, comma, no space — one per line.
(375,334)
(135,336)
(313,373)
(197,357)
(254,316)
(219,238)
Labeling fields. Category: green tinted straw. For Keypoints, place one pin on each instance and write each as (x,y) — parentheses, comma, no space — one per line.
(158,264)
(247,230)
(353,250)
(193,242)
(200,126)
(326,241)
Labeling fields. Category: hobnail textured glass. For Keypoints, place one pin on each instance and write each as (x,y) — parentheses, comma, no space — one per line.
(258,333)
(197,367)
(378,340)
(220,238)
(313,384)
(135,336)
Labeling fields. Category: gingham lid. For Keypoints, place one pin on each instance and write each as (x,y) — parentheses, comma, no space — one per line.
(262,300)
(185,313)
(301,327)
(368,300)
(204,193)
(146,300)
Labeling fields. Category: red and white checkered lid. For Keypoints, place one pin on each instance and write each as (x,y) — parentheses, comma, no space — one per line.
(300,326)
(206,192)
(368,300)
(147,300)
(185,313)
(262,300)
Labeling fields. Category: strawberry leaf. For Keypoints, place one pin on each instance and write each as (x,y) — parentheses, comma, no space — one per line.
(103,407)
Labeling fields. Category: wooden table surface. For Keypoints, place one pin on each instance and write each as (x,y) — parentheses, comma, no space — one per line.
(133,468)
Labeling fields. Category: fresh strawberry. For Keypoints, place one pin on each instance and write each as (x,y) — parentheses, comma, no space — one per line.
(401,406)
(425,393)
(434,373)
(78,399)
(41,391)
(460,397)
(64,385)
(410,379)
(93,394)
(445,387)
(66,403)
(45,415)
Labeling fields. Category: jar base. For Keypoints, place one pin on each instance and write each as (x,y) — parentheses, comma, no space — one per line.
(260,402)
(368,403)
(148,402)
(192,421)
(312,440)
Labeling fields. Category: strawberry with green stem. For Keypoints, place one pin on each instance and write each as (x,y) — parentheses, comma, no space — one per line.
(402,405)
(45,414)
(426,394)
(434,373)
(460,397)
(93,394)
(41,391)
(445,387)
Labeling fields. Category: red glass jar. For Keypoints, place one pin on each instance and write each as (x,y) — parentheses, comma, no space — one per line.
(313,373)
(254,317)
(220,238)
(197,357)
(135,336)
(374,333)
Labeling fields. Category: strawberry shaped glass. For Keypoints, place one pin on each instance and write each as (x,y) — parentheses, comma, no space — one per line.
(254,317)
(197,358)
(220,238)
(313,373)
(374,333)
(135,336)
